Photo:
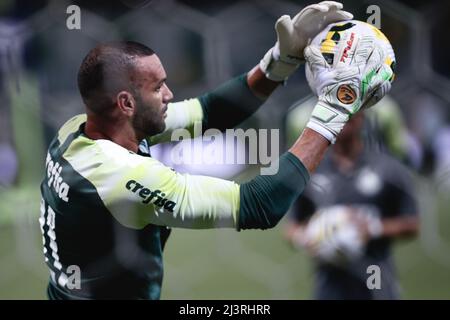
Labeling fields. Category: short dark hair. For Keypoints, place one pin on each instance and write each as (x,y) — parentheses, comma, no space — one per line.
(106,70)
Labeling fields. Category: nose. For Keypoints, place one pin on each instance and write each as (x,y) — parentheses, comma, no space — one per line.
(168,95)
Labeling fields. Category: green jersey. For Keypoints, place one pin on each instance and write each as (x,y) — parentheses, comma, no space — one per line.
(104,207)
(105,210)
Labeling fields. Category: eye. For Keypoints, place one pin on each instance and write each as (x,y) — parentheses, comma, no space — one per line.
(159,87)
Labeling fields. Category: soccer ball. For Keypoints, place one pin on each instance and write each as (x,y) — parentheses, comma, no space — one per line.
(332,237)
(339,41)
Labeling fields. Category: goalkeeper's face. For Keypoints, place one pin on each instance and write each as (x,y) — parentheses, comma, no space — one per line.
(151,96)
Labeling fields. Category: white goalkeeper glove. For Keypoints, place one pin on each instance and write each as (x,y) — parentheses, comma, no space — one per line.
(347,88)
(294,35)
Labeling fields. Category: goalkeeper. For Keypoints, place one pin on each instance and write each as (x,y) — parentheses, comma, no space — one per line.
(106,204)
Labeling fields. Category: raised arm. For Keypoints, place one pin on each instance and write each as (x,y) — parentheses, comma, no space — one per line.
(236,100)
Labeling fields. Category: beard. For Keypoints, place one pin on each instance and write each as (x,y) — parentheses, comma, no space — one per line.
(148,120)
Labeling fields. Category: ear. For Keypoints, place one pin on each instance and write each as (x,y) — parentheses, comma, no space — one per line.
(126,103)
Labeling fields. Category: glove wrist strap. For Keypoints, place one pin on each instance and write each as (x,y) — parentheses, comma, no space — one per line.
(327,121)
(322,130)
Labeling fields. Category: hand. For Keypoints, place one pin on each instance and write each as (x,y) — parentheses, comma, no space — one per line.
(347,88)
(294,35)
(368,222)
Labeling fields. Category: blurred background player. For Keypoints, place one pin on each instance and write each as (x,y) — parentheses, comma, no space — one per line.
(376,194)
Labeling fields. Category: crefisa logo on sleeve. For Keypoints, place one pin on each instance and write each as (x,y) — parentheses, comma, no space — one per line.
(155,197)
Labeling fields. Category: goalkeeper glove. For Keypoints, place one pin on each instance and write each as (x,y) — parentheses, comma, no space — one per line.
(346,89)
(294,35)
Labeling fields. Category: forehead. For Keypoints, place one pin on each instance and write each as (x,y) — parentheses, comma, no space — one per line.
(149,70)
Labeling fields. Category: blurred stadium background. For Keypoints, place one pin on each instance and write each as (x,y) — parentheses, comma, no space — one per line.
(203,43)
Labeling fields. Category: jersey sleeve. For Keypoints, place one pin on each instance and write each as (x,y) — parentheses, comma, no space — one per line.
(304,207)
(140,190)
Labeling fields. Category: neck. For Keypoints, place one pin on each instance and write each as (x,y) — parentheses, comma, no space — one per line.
(111,128)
